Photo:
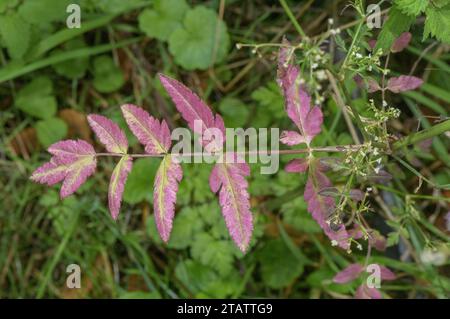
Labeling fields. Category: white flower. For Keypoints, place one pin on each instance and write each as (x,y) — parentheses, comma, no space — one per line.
(334,243)
(330,21)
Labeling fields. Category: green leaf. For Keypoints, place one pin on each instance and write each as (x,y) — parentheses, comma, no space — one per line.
(198,45)
(7,4)
(108,77)
(396,24)
(186,224)
(392,239)
(165,17)
(50,131)
(412,7)
(194,187)
(204,281)
(279,267)
(234,112)
(437,23)
(295,214)
(15,32)
(217,254)
(139,185)
(269,100)
(36,98)
(44,11)
(76,68)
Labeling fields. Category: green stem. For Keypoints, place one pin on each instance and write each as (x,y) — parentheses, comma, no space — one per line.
(422,135)
(293,19)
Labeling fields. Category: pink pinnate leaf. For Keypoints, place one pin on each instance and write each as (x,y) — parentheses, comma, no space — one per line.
(298,103)
(117,184)
(291,138)
(73,162)
(108,133)
(321,207)
(401,42)
(403,83)
(298,165)
(192,108)
(364,292)
(165,193)
(348,274)
(229,180)
(151,133)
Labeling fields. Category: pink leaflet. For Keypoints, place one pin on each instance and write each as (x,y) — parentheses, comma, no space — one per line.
(377,241)
(155,136)
(350,273)
(321,207)
(372,86)
(297,101)
(229,180)
(403,83)
(165,194)
(117,184)
(109,133)
(298,165)
(77,174)
(291,138)
(364,292)
(50,173)
(387,274)
(401,42)
(71,149)
(192,108)
(73,161)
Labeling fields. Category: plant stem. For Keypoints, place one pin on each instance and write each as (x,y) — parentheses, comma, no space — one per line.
(293,19)
(339,148)
(422,135)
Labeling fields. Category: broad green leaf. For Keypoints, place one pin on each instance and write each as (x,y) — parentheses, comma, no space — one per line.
(36,98)
(235,113)
(217,254)
(198,45)
(44,11)
(7,4)
(107,76)
(15,32)
(412,7)
(437,23)
(397,23)
(76,68)
(163,19)
(279,267)
(139,184)
(186,224)
(51,130)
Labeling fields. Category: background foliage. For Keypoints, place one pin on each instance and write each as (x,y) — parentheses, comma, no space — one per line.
(51,77)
